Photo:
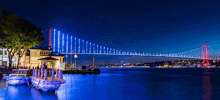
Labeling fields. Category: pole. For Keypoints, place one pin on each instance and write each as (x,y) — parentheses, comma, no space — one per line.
(33,72)
(2,57)
(52,74)
(75,63)
(45,74)
(75,56)
(42,73)
(93,63)
(66,61)
(71,60)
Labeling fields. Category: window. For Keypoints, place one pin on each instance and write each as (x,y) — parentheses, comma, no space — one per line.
(5,52)
(0,52)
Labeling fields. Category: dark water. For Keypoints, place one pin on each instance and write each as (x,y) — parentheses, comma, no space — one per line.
(128,84)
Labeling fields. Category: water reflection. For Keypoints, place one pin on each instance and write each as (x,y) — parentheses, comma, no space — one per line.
(126,84)
(207,86)
(24,92)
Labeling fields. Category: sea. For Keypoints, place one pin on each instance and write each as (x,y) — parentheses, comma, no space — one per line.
(127,84)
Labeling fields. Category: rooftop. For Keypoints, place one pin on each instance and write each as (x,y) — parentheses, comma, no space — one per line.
(48,58)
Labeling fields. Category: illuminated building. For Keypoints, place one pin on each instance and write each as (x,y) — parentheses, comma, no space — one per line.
(31,58)
(4,56)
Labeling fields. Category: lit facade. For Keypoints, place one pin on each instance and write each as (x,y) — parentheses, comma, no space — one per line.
(4,55)
(31,59)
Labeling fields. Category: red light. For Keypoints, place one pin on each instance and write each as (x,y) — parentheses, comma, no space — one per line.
(203,55)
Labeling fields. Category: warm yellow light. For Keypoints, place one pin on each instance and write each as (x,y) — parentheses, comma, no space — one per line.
(75,56)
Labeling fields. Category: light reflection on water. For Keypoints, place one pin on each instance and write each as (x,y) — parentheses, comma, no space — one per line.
(127,84)
(207,86)
(24,92)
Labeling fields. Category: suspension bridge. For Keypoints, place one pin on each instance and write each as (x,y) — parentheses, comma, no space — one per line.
(66,44)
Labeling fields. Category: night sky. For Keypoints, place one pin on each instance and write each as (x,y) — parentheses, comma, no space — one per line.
(159,26)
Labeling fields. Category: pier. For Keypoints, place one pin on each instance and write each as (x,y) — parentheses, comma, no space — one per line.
(47,79)
(84,71)
(95,71)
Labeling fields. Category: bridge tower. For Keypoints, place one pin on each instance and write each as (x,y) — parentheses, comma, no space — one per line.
(50,41)
(205,53)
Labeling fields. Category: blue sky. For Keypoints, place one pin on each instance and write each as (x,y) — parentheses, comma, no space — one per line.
(159,26)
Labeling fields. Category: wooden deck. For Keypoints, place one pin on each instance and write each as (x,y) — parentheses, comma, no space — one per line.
(96,71)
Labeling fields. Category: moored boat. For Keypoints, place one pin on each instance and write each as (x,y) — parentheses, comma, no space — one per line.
(18,77)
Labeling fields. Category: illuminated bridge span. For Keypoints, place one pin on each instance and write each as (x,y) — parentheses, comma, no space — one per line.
(66,44)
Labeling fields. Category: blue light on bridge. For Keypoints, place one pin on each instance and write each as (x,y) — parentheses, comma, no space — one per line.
(66,43)
(100,49)
(79,46)
(83,46)
(107,50)
(110,51)
(90,48)
(71,46)
(54,31)
(113,51)
(104,50)
(116,51)
(86,46)
(97,48)
(63,43)
(94,48)
(58,41)
(75,45)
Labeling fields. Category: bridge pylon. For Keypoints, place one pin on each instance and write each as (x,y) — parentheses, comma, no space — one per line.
(205,55)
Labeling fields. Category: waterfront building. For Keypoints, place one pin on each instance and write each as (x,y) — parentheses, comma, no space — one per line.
(31,59)
(4,57)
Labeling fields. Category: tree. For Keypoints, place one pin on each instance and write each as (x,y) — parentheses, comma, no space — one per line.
(18,34)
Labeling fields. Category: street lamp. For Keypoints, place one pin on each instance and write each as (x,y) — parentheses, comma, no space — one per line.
(71,59)
(75,56)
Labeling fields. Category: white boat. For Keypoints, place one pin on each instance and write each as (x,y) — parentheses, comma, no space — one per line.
(18,77)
